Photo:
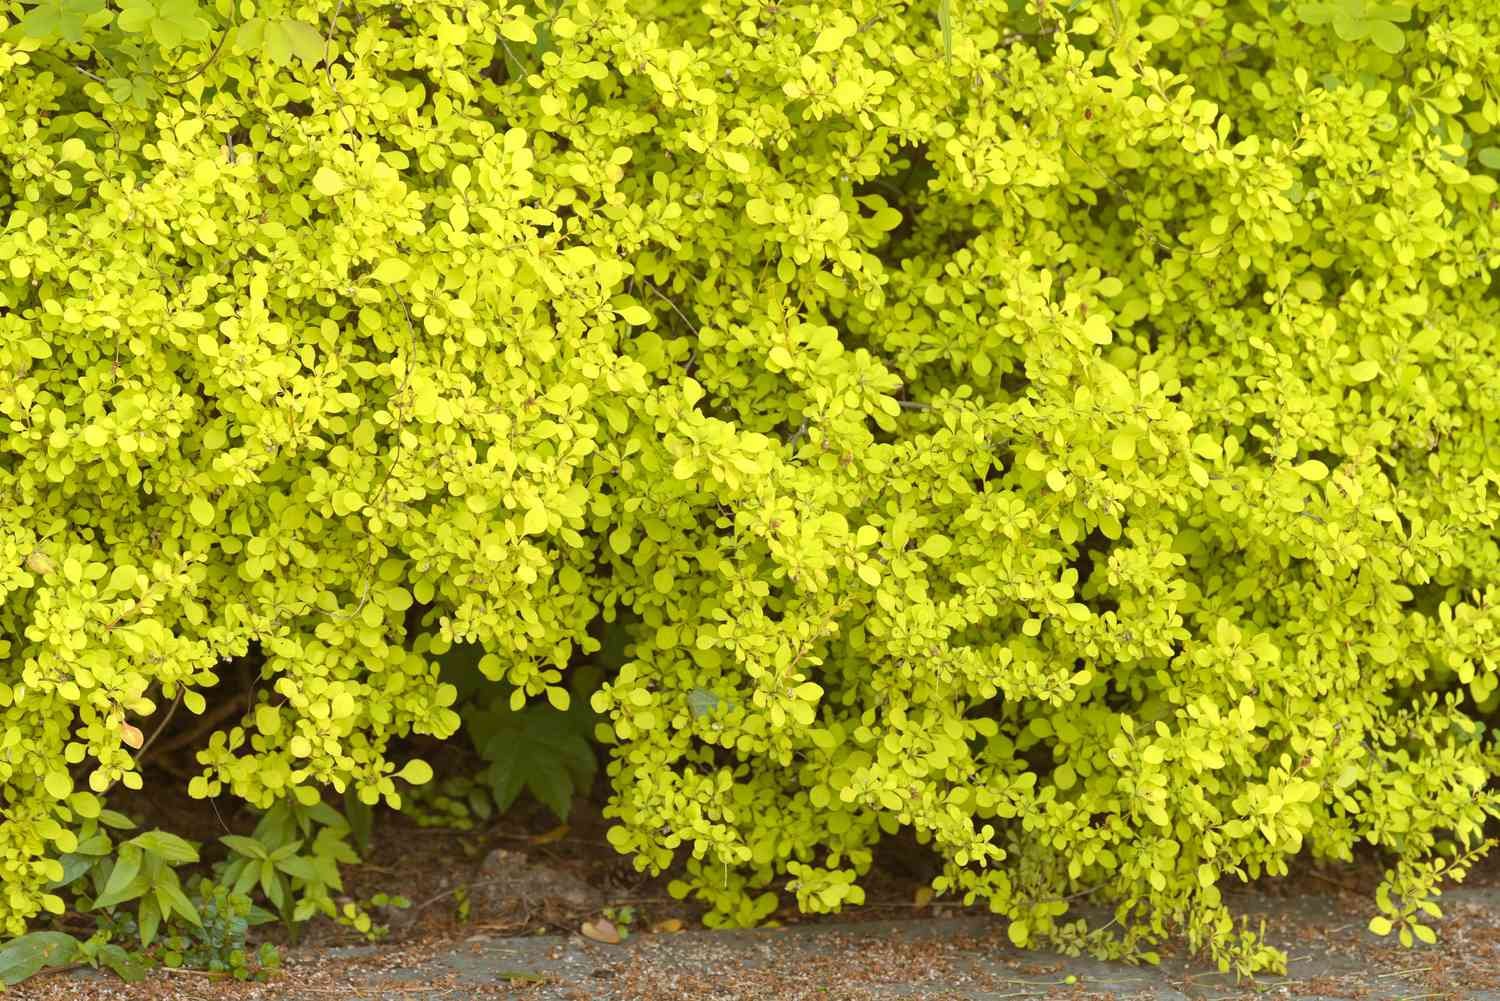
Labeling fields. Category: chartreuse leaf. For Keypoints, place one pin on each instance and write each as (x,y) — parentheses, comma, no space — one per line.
(1082,465)
(64,19)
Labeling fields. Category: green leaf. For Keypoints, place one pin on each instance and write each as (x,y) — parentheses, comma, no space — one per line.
(1380,925)
(115,819)
(537,749)
(149,918)
(361,821)
(29,954)
(248,847)
(301,868)
(63,19)
(945,22)
(1317,14)
(171,23)
(284,39)
(74,867)
(170,898)
(165,846)
(126,881)
(128,966)
(1386,36)
(1490,157)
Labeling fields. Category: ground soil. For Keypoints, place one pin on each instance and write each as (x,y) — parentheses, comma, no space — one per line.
(1317,913)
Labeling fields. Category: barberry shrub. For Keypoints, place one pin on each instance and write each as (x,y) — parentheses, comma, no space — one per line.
(1065,434)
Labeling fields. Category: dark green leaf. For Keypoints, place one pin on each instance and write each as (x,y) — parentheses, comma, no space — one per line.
(125,965)
(537,749)
(361,821)
(149,918)
(30,954)
(74,866)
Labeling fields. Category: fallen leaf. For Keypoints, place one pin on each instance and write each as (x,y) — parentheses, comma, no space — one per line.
(669,925)
(603,930)
(132,736)
(548,837)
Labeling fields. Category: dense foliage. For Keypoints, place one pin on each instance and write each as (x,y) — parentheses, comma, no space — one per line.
(1069,435)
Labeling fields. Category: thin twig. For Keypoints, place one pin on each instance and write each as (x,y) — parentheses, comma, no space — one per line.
(212,56)
(1402,973)
(207,722)
(141,754)
(430,901)
(669,302)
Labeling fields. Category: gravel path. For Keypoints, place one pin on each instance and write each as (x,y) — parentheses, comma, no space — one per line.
(936,958)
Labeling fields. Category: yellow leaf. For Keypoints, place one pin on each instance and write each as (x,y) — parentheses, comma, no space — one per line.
(1161,28)
(1312,469)
(328,181)
(417,772)
(267,720)
(535,522)
(391,270)
(58,784)
(202,511)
